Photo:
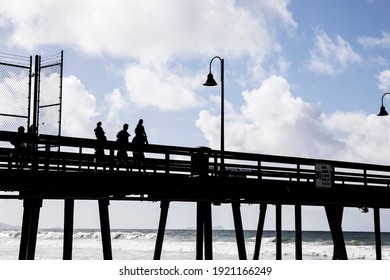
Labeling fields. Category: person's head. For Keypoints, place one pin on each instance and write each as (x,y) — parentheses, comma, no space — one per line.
(125,126)
(21,129)
(99,124)
(141,121)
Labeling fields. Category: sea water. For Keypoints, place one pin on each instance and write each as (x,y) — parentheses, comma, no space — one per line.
(181,245)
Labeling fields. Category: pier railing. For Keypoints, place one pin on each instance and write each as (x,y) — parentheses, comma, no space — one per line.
(54,167)
(77,155)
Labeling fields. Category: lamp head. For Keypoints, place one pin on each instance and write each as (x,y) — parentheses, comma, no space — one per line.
(382,111)
(210,82)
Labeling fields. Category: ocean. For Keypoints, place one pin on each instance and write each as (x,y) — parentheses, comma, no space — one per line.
(180,245)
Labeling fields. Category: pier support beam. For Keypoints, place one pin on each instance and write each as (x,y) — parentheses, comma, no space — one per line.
(204,231)
(278,212)
(105,228)
(68,228)
(161,229)
(239,231)
(260,229)
(377,225)
(298,232)
(29,232)
(334,214)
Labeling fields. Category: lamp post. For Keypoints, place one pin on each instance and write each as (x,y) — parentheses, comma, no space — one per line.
(382,110)
(211,82)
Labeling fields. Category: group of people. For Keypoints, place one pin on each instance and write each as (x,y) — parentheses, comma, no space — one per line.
(122,138)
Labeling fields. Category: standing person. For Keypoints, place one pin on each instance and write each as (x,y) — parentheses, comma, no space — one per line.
(20,148)
(139,139)
(122,138)
(101,139)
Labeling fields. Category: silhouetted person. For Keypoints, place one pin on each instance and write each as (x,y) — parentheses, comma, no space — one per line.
(20,148)
(101,139)
(122,138)
(139,139)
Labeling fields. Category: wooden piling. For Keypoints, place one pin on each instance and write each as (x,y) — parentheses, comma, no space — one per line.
(164,205)
(239,230)
(298,232)
(334,214)
(68,228)
(377,225)
(260,229)
(199,230)
(105,228)
(208,232)
(278,212)
(204,235)
(31,209)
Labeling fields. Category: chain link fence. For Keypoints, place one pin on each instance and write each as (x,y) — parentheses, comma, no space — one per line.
(15,91)
(50,95)
(26,97)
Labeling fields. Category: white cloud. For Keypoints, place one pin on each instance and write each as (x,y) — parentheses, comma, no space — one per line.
(160,87)
(384,80)
(372,42)
(140,32)
(331,56)
(79,108)
(136,29)
(274,121)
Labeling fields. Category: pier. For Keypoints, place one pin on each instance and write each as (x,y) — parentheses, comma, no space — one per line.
(65,168)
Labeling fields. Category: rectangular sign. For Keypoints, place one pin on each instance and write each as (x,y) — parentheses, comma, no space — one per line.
(323,175)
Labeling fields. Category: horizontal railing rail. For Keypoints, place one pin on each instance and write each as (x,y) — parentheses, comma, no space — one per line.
(71,154)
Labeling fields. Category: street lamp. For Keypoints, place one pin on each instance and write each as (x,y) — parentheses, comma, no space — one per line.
(211,82)
(382,110)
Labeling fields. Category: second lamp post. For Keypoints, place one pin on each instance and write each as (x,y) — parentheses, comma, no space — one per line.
(211,82)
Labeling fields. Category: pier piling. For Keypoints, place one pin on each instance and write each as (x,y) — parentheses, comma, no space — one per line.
(377,225)
(278,212)
(204,235)
(298,232)
(105,228)
(161,229)
(68,228)
(334,214)
(29,232)
(239,231)
(260,229)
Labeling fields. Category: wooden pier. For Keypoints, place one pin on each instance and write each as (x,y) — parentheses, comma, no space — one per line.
(65,168)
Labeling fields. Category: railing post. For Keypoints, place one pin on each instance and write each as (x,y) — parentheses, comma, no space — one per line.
(167,163)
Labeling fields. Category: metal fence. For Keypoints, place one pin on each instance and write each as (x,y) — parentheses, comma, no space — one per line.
(50,94)
(30,96)
(15,91)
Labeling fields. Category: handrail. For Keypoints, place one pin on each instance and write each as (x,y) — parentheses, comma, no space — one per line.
(76,154)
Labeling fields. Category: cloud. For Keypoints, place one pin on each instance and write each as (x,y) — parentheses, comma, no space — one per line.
(160,87)
(331,56)
(273,121)
(79,109)
(136,29)
(384,80)
(372,42)
(149,39)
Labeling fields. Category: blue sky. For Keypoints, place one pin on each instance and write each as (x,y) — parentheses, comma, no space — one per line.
(302,78)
